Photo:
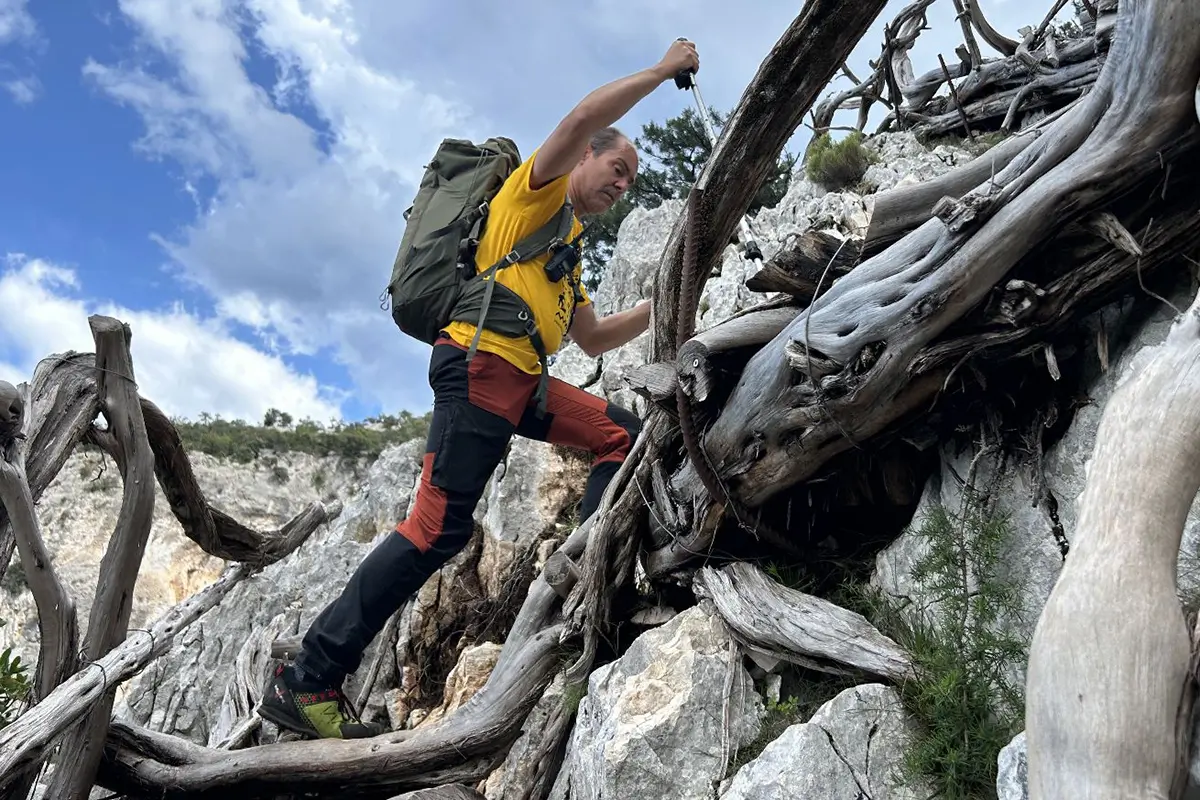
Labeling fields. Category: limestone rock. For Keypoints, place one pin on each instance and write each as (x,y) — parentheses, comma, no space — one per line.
(535,485)
(79,509)
(652,724)
(469,675)
(1012,771)
(851,748)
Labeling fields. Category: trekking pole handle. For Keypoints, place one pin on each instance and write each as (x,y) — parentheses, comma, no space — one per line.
(683,78)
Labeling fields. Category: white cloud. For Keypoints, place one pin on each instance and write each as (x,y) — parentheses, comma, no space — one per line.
(15,22)
(312,172)
(18,29)
(185,364)
(23,90)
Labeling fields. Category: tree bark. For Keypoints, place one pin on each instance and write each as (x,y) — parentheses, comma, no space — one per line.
(1110,653)
(58,624)
(60,406)
(770,619)
(28,738)
(80,751)
(840,372)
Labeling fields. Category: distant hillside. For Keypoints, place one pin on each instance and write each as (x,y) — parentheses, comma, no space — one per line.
(280,433)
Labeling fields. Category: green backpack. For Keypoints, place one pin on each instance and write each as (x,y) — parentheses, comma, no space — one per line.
(434,279)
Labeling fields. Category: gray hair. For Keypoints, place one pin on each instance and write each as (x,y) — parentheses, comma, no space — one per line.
(605,139)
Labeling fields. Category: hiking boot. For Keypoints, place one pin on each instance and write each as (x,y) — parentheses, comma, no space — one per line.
(315,711)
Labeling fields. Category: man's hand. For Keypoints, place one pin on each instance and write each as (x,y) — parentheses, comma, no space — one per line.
(680,57)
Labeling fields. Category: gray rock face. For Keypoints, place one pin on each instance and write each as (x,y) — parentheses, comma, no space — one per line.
(1012,771)
(851,748)
(79,510)
(654,725)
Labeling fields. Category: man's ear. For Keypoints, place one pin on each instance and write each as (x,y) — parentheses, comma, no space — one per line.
(587,152)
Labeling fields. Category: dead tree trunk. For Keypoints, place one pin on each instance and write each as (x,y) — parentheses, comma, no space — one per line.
(79,753)
(841,372)
(58,624)
(1105,701)
(60,406)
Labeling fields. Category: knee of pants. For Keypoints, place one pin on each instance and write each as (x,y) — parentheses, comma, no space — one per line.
(630,425)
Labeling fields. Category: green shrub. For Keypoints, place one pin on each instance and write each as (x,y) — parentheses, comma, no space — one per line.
(837,165)
(964,699)
(240,441)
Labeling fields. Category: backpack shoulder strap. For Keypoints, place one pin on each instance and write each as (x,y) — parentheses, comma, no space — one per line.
(553,231)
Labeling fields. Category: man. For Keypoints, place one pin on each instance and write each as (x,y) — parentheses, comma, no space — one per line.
(479,404)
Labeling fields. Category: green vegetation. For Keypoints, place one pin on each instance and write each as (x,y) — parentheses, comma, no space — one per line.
(279,433)
(837,165)
(965,700)
(14,686)
(672,156)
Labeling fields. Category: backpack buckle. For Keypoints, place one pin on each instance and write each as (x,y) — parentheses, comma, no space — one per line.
(483,208)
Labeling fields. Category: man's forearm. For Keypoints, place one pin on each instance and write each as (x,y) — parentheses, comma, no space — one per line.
(622,327)
(604,106)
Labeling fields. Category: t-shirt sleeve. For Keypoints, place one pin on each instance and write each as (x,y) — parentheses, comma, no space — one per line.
(539,205)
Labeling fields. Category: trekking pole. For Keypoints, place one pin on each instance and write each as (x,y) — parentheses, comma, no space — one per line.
(686,79)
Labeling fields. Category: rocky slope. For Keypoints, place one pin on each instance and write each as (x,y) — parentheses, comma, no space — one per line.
(683,713)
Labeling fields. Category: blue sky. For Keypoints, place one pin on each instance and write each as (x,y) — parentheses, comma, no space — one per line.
(228,175)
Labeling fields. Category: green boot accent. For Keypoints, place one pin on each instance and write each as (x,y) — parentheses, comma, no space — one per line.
(323,713)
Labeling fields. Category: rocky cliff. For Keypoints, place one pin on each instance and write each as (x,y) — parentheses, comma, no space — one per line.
(682,712)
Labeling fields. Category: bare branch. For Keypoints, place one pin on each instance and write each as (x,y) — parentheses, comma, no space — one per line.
(27,739)
(58,625)
(79,753)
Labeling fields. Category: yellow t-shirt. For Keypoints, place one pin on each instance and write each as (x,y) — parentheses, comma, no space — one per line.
(516,212)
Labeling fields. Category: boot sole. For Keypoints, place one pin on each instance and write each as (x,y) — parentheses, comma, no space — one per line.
(285,722)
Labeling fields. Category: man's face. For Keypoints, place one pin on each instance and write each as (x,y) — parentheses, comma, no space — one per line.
(605,177)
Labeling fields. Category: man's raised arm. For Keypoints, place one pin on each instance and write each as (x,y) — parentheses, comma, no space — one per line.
(603,107)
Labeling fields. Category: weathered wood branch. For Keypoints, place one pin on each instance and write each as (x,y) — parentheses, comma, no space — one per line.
(27,739)
(79,752)
(58,623)
(561,574)
(797,268)
(997,40)
(854,348)
(1111,652)
(655,382)
(60,405)
(695,367)
(899,211)
(465,746)
(216,532)
(773,620)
